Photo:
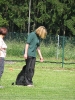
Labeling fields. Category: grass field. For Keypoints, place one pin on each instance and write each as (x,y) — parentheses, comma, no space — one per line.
(51,82)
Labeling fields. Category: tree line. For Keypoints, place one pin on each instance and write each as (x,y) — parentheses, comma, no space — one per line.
(58,16)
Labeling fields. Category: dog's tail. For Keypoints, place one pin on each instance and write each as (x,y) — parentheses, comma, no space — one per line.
(13,83)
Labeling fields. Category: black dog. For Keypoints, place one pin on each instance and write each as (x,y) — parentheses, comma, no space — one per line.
(20,80)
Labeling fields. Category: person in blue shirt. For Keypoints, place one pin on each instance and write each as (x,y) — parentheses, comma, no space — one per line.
(33,45)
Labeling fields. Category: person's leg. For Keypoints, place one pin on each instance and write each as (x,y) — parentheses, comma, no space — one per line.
(29,71)
(1,68)
(32,69)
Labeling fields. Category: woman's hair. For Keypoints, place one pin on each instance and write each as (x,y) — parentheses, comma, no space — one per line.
(3,30)
(41,32)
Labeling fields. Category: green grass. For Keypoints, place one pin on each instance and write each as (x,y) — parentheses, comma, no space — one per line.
(51,82)
(50,52)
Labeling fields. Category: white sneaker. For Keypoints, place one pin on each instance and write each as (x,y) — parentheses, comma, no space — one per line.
(30,85)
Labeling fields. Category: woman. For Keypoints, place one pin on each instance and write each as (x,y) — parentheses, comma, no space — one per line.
(33,44)
(3,47)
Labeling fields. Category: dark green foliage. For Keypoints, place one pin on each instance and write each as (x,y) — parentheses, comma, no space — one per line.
(58,16)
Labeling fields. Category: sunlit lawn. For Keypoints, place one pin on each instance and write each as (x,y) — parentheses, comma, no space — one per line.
(51,82)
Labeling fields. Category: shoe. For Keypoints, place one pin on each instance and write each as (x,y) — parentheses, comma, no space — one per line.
(30,85)
(1,87)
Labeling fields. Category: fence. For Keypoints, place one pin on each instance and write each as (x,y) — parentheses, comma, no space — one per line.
(55,49)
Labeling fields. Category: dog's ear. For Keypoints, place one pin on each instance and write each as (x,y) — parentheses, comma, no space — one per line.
(24,67)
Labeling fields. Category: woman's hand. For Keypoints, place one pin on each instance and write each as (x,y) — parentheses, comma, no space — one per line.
(41,59)
(25,56)
(26,51)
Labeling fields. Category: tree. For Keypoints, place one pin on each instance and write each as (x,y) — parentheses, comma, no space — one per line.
(3,22)
(58,16)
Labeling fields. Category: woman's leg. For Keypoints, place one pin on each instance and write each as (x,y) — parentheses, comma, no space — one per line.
(1,67)
(29,71)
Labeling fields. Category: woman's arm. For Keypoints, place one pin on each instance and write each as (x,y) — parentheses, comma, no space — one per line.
(26,51)
(40,55)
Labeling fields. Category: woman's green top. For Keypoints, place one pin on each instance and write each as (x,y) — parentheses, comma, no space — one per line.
(34,42)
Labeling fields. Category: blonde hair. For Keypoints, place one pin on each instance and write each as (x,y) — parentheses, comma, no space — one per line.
(41,32)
